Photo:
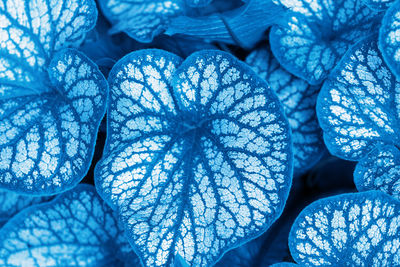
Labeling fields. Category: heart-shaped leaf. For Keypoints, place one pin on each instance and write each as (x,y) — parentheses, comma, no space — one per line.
(75,229)
(198,156)
(47,140)
(318,34)
(298,99)
(51,101)
(356,229)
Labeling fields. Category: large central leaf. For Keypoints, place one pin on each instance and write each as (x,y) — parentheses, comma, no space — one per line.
(198,157)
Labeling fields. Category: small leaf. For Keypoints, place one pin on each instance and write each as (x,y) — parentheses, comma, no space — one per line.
(356,229)
(318,34)
(298,99)
(198,155)
(47,141)
(389,43)
(75,229)
(380,170)
(358,107)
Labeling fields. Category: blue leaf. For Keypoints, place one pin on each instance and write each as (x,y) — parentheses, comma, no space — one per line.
(243,26)
(356,229)
(389,43)
(143,19)
(358,106)
(298,99)
(232,22)
(11,203)
(198,155)
(378,4)
(380,170)
(318,34)
(198,3)
(75,229)
(47,141)
(31,32)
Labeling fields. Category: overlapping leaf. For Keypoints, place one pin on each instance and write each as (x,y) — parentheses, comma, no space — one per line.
(358,109)
(198,155)
(389,38)
(31,32)
(243,26)
(233,22)
(298,99)
(318,34)
(75,229)
(357,229)
(380,170)
(47,140)
(51,101)
(11,203)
